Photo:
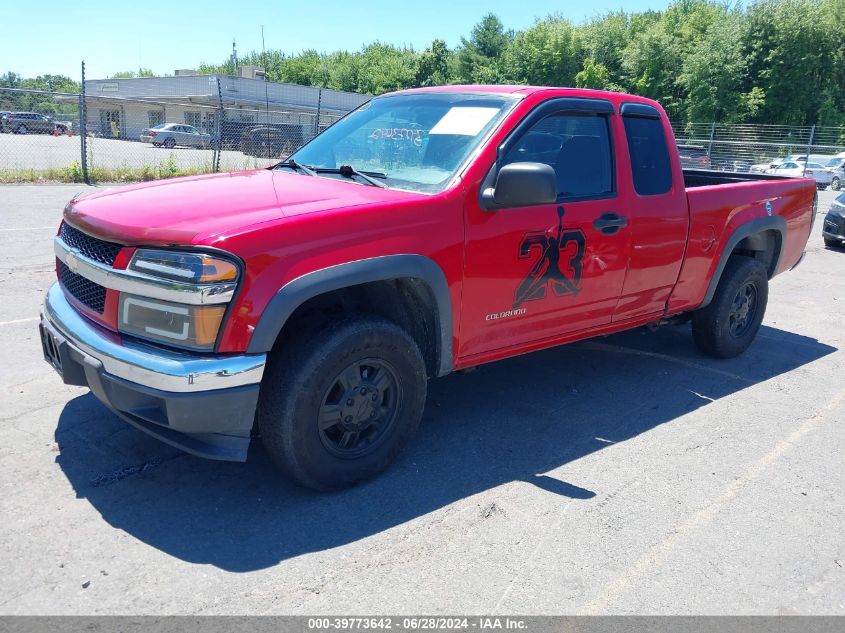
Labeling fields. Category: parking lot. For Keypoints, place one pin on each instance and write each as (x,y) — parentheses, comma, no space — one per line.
(625,474)
(40,152)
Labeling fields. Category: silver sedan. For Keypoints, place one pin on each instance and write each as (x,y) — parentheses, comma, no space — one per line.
(172,134)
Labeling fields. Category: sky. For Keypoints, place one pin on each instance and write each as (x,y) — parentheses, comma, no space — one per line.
(163,36)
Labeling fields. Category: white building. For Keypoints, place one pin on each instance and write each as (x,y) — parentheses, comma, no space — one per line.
(124,107)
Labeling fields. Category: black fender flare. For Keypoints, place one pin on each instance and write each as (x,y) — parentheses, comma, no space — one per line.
(772,223)
(297,291)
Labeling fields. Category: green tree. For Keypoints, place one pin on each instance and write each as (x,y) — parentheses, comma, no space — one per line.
(546,54)
(603,40)
(593,75)
(791,47)
(10,80)
(713,72)
(651,61)
(479,57)
(130,74)
(382,67)
(53,83)
(433,68)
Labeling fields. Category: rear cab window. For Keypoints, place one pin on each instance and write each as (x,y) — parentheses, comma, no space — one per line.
(650,163)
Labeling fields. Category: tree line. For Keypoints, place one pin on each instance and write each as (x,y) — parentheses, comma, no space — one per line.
(43,103)
(772,61)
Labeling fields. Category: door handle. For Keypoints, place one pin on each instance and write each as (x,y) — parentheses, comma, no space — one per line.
(610,222)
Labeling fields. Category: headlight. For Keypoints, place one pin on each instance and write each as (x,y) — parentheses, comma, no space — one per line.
(176,324)
(194,268)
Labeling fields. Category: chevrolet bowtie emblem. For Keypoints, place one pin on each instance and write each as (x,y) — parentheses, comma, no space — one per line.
(72,262)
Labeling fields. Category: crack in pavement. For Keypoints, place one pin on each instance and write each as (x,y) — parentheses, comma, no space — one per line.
(107,479)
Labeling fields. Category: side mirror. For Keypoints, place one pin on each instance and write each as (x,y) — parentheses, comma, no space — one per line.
(521,185)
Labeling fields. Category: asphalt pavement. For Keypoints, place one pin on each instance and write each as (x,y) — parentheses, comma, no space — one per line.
(40,152)
(625,474)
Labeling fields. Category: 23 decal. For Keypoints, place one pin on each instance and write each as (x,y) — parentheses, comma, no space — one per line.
(558,265)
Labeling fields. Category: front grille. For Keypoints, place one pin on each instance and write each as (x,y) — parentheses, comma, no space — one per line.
(83,290)
(93,248)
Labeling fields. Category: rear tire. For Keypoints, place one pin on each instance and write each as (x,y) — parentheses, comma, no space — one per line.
(22,130)
(836,183)
(340,402)
(831,243)
(169,143)
(728,325)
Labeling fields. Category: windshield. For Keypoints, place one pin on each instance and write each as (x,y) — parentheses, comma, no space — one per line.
(416,142)
(835,162)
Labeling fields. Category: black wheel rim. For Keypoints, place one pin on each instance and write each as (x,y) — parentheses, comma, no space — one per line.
(359,408)
(743,310)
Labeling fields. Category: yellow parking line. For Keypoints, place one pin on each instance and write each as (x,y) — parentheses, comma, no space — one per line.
(26,320)
(29,228)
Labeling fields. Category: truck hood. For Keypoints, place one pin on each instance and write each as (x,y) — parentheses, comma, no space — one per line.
(197,209)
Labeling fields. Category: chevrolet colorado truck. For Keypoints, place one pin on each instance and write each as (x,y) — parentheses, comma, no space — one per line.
(428,231)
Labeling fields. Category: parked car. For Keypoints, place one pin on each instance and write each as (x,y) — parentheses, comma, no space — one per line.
(833,229)
(794,169)
(694,157)
(28,122)
(765,168)
(836,167)
(814,158)
(430,231)
(172,134)
(729,164)
(3,114)
(274,142)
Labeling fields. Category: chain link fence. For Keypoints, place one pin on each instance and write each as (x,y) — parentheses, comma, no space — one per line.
(747,147)
(125,130)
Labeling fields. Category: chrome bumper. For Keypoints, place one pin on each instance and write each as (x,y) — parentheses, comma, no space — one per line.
(147,366)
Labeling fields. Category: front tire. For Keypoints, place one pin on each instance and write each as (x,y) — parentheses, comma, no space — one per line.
(340,403)
(728,325)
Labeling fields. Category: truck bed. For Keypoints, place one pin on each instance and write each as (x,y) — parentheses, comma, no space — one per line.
(719,203)
(706,177)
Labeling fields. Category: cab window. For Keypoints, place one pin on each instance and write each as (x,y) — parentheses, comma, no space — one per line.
(576,146)
(650,165)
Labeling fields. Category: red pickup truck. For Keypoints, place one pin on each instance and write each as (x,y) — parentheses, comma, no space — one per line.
(428,231)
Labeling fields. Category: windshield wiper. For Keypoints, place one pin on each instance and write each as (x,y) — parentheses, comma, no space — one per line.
(348,171)
(294,165)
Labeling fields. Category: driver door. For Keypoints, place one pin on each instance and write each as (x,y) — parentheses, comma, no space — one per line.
(536,273)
